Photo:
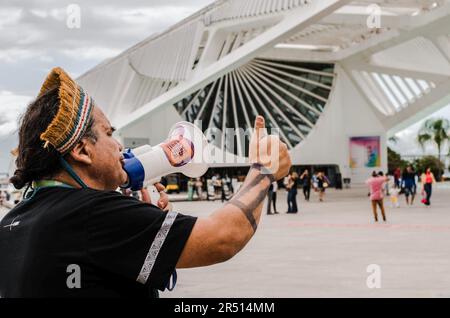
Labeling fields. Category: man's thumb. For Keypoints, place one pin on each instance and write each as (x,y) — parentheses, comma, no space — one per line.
(260,126)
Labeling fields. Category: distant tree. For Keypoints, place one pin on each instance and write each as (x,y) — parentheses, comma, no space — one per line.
(434,130)
(395,161)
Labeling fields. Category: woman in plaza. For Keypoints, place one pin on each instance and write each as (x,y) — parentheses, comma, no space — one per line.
(322,184)
(409,185)
(427,180)
(292,193)
(375,184)
(199,188)
(306,182)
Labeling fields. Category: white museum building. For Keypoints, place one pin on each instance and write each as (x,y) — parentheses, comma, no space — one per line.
(337,78)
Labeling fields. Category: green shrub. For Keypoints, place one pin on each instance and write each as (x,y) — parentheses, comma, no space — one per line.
(437,167)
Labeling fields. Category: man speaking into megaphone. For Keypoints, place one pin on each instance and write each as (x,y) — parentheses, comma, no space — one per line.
(75,236)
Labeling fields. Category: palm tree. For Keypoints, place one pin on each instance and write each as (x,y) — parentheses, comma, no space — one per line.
(434,130)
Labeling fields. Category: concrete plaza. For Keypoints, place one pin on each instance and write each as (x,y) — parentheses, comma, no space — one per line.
(325,250)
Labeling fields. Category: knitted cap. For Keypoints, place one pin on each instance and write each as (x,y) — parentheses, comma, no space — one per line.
(75,106)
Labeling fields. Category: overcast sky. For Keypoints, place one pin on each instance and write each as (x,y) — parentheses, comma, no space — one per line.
(34,38)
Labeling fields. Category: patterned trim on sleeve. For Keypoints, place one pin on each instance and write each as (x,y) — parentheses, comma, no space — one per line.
(156,246)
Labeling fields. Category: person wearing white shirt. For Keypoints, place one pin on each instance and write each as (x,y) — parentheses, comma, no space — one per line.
(272,198)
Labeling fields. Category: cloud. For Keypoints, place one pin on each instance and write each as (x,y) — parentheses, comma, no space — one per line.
(143,15)
(14,55)
(34,37)
(10,16)
(34,28)
(11,107)
(91,53)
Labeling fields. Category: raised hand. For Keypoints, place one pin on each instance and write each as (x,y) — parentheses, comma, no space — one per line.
(269,151)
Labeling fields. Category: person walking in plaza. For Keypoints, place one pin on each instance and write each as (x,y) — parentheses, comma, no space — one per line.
(409,185)
(387,188)
(229,183)
(375,184)
(393,194)
(199,188)
(292,193)
(287,186)
(427,179)
(306,184)
(217,183)
(397,176)
(223,190)
(322,184)
(272,198)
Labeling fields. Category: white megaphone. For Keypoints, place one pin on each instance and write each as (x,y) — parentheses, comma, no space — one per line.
(183,151)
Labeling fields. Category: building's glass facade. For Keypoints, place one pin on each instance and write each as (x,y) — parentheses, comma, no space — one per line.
(290,95)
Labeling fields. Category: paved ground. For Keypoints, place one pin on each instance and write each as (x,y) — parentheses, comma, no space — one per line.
(325,250)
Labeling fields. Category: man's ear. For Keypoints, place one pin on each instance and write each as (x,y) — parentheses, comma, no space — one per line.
(83,152)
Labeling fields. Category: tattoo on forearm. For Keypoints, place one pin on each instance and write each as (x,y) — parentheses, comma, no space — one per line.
(250,185)
(249,207)
(247,212)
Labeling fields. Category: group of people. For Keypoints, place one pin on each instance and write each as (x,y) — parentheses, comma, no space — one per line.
(223,187)
(217,187)
(196,186)
(319,182)
(403,183)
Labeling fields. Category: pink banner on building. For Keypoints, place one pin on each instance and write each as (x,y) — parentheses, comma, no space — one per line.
(365,152)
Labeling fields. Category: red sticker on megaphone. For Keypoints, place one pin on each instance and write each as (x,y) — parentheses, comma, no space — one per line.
(179,150)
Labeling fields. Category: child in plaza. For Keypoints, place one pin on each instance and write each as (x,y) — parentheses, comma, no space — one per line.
(393,194)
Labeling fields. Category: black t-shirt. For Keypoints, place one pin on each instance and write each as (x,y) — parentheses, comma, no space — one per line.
(320,182)
(117,245)
(306,181)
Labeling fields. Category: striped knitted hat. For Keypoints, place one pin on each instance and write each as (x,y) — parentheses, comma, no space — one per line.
(75,107)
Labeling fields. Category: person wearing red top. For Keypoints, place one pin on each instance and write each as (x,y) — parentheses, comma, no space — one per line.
(397,175)
(427,180)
